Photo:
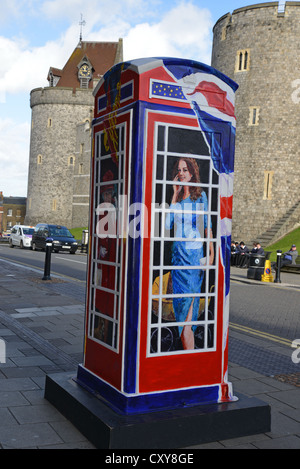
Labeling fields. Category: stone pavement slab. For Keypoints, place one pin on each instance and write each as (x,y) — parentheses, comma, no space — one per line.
(42,325)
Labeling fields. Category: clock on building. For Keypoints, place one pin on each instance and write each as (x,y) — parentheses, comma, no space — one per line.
(85,71)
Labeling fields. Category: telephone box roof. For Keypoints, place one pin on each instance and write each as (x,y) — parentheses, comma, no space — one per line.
(146,64)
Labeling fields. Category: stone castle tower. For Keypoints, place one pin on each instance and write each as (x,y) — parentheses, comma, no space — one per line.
(258,47)
(60,142)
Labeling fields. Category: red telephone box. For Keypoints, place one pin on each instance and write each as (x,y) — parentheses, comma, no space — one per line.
(160,230)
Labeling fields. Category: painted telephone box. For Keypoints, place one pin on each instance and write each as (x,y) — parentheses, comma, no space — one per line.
(160,231)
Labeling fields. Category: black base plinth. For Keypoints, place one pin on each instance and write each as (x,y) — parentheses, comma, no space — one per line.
(178,428)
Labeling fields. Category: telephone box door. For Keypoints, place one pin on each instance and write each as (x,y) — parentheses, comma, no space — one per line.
(183,292)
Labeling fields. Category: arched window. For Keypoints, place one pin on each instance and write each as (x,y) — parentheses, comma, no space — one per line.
(253,115)
(54,205)
(71,160)
(268,182)
(243,61)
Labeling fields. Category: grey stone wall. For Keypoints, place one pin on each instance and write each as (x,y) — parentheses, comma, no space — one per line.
(81,179)
(56,113)
(271,84)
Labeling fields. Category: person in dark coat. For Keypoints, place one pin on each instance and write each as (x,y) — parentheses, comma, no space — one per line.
(244,254)
(259,249)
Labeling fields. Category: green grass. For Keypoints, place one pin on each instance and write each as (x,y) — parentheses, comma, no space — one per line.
(77,232)
(285,243)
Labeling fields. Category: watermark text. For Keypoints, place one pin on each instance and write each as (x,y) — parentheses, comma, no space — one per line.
(2,351)
(133,221)
(296,353)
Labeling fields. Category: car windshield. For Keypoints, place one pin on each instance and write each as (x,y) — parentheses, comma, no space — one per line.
(28,231)
(60,232)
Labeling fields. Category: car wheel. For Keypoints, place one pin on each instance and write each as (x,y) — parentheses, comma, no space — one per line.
(21,244)
(11,245)
(33,247)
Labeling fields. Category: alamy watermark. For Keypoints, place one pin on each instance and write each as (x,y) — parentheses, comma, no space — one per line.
(2,351)
(296,93)
(132,221)
(296,353)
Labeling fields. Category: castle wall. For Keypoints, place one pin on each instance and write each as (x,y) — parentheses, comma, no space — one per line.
(267,166)
(81,179)
(56,113)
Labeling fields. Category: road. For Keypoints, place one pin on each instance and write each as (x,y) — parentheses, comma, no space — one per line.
(255,310)
(264,323)
(72,266)
(266,310)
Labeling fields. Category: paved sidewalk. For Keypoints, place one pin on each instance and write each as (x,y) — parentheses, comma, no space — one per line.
(42,325)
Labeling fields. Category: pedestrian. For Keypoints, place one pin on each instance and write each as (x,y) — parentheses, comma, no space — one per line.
(233,253)
(244,254)
(254,249)
(289,257)
(259,250)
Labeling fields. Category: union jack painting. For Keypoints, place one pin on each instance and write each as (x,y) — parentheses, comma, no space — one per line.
(160,234)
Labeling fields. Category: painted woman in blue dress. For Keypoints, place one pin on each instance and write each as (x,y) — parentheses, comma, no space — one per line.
(188,200)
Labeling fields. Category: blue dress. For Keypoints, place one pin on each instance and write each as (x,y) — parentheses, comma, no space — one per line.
(187,253)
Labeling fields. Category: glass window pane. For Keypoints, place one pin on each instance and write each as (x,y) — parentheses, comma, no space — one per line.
(160,167)
(182,140)
(161,138)
(182,315)
(103,329)
(106,241)
(104,303)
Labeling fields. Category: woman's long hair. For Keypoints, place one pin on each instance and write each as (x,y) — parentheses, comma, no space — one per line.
(195,191)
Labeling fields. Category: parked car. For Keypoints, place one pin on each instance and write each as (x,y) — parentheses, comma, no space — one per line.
(5,235)
(21,235)
(62,239)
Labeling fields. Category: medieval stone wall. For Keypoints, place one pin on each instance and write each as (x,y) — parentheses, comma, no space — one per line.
(258,47)
(56,114)
(82,170)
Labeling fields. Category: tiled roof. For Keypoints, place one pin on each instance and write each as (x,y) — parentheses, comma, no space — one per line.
(56,72)
(101,55)
(14,200)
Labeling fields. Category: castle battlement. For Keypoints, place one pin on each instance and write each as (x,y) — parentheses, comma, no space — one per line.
(55,95)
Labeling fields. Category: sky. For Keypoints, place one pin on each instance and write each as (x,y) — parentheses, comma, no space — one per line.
(37,34)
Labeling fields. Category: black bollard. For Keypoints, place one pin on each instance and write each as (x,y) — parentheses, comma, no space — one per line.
(277,279)
(47,261)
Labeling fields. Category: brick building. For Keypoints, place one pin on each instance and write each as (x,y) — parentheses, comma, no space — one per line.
(60,142)
(12,212)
